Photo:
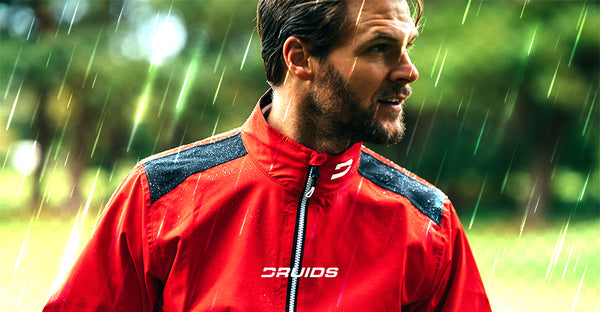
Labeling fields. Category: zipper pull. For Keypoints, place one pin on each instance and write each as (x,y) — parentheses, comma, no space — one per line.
(310,192)
(314,176)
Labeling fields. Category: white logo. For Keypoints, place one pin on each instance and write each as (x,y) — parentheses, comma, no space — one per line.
(304,272)
(346,164)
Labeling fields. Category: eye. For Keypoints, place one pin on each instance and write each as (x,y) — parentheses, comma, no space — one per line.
(379,48)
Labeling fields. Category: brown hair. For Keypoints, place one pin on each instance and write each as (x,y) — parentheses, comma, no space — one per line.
(318,22)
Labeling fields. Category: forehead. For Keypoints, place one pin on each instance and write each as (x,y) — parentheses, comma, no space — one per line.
(391,17)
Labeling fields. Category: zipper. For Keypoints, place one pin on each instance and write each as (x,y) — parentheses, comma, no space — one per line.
(299,234)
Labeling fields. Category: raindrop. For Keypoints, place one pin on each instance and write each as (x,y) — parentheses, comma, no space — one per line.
(73,18)
(568,260)
(512,158)
(437,58)
(189,77)
(523,9)
(100,122)
(216,123)
(142,105)
(219,85)
(587,120)
(89,65)
(553,78)
(12,111)
(579,289)
(557,250)
(12,74)
(481,132)
(441,68)
(223,45)
(246,52)
(492,272)
(24,247)
(162,101)
(532,39)
(478,200)
(62,84)
(578,36)
(362,5)
(466,12)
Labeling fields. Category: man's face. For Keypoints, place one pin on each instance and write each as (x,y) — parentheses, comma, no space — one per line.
(361,85)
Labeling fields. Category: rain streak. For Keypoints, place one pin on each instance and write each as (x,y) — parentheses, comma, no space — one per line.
(504,120)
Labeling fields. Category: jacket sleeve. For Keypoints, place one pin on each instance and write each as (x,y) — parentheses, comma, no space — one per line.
(459,286)
(113,270)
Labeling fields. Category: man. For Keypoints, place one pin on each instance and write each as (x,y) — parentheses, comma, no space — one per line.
(290,211)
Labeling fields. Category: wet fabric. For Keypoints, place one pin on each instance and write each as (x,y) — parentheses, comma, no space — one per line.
(211,227)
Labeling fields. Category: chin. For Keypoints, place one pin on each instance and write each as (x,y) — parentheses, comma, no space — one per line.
(386,133)
(393,127)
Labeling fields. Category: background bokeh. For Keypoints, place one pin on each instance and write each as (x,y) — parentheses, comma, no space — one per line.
(504,119)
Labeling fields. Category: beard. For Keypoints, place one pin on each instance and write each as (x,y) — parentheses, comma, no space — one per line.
(333,110)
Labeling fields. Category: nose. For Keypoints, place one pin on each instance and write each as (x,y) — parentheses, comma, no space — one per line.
(405,71)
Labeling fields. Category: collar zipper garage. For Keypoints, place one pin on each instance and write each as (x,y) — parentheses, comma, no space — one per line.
(299,234)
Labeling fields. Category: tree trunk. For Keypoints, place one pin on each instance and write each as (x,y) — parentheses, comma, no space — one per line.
(44,138)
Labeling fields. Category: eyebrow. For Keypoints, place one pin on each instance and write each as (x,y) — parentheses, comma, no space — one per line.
(381,36)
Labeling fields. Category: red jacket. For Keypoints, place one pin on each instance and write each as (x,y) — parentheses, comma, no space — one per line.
(216,226)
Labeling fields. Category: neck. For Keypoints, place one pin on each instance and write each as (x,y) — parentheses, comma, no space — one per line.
(292,115)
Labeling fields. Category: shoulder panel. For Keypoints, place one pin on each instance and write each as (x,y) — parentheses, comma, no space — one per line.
(429,200)
(167,172)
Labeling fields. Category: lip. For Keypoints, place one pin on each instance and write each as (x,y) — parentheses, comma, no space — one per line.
(395,101)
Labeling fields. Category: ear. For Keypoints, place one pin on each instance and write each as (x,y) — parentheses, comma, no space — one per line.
(295,54)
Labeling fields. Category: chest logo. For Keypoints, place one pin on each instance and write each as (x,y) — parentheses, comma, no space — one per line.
(304,272)
(347,165)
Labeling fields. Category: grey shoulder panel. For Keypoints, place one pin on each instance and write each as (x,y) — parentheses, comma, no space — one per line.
(427,199)
(167,172)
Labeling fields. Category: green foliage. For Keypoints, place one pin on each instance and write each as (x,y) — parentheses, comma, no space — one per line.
(500,100)
(548,268)
(505,109)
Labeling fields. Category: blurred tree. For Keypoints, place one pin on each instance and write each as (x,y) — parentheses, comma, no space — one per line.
(506,88)
(505,113)
(91,66)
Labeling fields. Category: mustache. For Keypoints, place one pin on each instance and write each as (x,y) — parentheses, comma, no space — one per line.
(403,90)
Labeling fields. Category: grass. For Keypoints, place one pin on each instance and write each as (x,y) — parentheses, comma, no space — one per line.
(32,253)
(554,267)
(518,271)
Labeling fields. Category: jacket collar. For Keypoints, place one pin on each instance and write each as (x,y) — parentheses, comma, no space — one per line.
(287,161)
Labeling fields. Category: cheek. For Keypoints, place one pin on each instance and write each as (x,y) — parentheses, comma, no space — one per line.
(366,82)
